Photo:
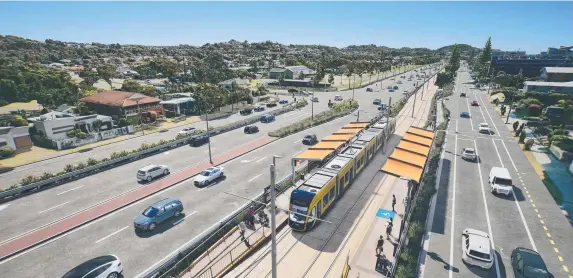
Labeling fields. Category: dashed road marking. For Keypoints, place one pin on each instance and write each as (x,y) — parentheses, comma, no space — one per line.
(556,250)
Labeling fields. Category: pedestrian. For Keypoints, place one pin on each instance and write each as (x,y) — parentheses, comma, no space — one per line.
(380,246)
(252,210)
(393,202)
(246,241)
(389,229)
(242,228)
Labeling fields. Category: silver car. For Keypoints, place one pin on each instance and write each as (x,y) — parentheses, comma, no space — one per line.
(108,266)
(151,172)
(469,154)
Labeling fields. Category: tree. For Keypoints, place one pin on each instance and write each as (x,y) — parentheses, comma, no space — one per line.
(502,109)
(82,110)
(89,77)
(522,136)
(301,75)
(331,79)
(515,125)
(130,85)
(281,78)
(106,72)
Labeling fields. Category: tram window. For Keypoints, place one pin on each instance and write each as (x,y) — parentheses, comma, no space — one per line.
(325,200)
(346,178)
(332,193)
(342,180)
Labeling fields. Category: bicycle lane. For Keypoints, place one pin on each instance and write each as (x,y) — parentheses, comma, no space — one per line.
(32,238)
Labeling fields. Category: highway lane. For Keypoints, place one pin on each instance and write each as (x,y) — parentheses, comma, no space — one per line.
(41,208)
(208,211)
(511,221)
(57,164)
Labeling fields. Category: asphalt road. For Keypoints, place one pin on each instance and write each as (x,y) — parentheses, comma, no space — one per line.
(527,218)
(246,176)
(57,164)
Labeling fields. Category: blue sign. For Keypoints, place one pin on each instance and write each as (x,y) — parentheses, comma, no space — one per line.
(382,213)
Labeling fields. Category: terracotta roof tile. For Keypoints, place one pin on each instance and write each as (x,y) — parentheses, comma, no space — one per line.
(119,98)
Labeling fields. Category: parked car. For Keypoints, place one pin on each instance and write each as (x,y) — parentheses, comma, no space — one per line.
(271,104)
(528,263)
(151,172)
(309,139)
(475,103)
(389,87)
(158,213)
(208,176)
(395,88)
(369,89)
(377,101)
(246,111)
(484,128)
(477,249)
(266,118)
(381,107)
(108,266)
(187,131)
(462,94)
(283,101)
(469,154)
(399,82)
(314,99)
(337,98)
(251,129)
(390,90)
(259,108)
(197,141)
(464,115)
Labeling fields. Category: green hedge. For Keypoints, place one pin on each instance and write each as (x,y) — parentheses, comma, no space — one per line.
(6,152)
(340,109)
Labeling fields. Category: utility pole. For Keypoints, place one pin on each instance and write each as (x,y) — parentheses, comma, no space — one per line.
(388,111)
(353,85)
(273,222)
(414,106)
(208,137)
(312,107)
(358,116)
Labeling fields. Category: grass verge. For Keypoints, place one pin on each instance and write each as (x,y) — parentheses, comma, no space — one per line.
(553,189)
(340,109)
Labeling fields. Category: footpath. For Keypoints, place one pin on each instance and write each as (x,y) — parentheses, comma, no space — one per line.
(347,244)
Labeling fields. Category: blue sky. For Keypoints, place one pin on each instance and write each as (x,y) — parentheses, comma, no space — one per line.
(530,26)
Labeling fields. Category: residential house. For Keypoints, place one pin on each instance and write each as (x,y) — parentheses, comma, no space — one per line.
(275,73)
(298,70)
(557,74)
(558,87)
(16,138)
(55,125)
(119,104)
(227,84)
(178,104)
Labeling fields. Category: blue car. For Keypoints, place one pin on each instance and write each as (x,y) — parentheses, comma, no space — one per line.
(283,101)
(259,108)
(267,118)
(158,213)
(465,115)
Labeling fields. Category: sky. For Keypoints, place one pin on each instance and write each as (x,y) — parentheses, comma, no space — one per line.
(529,26)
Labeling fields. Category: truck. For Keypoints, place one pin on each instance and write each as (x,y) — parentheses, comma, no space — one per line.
(500,181)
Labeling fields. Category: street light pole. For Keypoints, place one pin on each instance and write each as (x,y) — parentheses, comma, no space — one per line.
(414,106)
(208,137)
(353,85)
(273,221)
(312,108)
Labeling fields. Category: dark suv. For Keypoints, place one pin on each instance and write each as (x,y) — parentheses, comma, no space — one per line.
(309,139)
(198,140)
(246,111)
(251,129)
(157,213)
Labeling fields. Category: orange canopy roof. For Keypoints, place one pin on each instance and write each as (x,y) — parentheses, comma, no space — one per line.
(409,157)
(401,169)
(348,131)
(314,155)
(338,137)
(327,145)
(413,147)
(421,132)
(356,125)
(417,139)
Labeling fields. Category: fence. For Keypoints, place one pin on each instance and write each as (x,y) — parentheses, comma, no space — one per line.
(102,166)
(183,258)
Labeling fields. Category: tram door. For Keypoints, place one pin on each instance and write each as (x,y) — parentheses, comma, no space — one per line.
(319,208)
(351,174)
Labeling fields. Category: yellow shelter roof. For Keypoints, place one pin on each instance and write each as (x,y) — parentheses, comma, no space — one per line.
(338,137)
(421,132)
(417,139)
(409,157)
(327,145)
(356,125)
(314,155)
(402,169)
(413,147)
(348,131)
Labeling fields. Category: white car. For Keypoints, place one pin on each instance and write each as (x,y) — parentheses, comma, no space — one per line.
(187,131)
(209,175)
(484,128)
(108,266)
(150,172)
(337,97)
(477,249)
(469,154)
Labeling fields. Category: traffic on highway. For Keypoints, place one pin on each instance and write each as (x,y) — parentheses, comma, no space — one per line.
(146,231)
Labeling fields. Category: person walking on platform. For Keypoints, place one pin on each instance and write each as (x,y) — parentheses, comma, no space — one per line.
(393,202)
(389,228)
(380,246)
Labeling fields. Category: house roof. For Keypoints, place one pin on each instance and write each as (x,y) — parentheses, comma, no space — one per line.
(119,99)
(237,80)
(278,70)
(559,69)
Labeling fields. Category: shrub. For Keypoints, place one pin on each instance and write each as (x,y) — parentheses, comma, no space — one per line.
(534,110)
(46,176)
(28,180)
(522,136)
(6,152)
(18,121)
(69,168)
(115,155)
(80,166)
(528,144)
(92,161)
(515,126)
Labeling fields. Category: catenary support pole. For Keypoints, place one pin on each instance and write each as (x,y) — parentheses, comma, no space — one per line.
(273,221)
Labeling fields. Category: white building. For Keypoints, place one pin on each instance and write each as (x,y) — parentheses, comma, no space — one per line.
(55,125)
(15,137)
(558,87)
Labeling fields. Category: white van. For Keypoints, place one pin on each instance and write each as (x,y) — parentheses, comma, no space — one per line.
(500,181)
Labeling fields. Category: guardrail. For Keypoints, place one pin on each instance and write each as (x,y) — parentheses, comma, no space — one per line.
(102,166)
(179,260)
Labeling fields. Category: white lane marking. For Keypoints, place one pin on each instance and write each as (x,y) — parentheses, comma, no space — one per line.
(517,203)
(486,209)
(53,207)
(255,177)
(451,268)
(470,113)
(110,235)
(296,142)
(181,220)
(166,153)
(249,160)
(492,122)
(457,125)
(261,159)
(4,206)
(70,190)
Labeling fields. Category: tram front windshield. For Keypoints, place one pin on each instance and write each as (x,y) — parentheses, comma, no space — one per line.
(298,210)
